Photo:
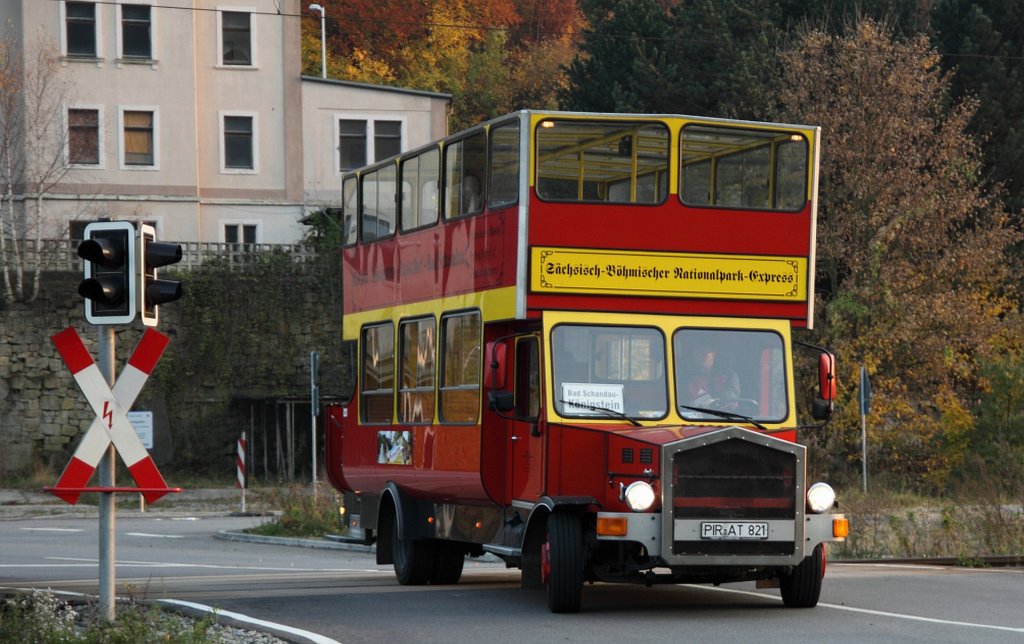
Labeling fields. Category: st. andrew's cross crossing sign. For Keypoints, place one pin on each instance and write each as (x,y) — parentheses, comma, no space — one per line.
(111,424)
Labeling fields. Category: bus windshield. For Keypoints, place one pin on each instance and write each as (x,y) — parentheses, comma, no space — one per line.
(736,371)
(619,371)
(609,371)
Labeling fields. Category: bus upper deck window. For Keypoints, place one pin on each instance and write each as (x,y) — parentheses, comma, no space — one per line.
(503,172)
(731,167)
(602,161)
(420,189)
(377,208)
(465,162)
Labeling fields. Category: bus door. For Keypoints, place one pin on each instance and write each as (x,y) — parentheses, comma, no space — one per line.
(526,453)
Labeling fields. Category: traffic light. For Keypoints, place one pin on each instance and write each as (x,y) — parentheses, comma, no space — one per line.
(153,291)
(109,285)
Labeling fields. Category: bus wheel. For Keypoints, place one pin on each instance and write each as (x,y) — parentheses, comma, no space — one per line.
(562,562)
(802,587)
(449,557)
(413,560)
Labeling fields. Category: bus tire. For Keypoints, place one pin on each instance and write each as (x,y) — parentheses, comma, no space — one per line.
(802,587)
(564,562)
(413,559)
(449,558)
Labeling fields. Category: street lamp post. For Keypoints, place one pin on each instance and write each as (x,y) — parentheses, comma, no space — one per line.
(323,38)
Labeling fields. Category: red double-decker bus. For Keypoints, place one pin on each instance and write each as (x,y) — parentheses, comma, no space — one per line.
(573,340)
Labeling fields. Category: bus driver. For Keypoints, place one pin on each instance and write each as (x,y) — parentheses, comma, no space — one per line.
(709,382)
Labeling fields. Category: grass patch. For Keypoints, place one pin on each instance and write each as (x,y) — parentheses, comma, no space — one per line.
(302,513)
(39,476)
(892,525)
(883,524)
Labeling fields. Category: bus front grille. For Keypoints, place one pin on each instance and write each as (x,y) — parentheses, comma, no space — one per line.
(729,484)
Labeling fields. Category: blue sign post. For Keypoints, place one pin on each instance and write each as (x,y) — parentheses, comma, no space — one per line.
(864,396)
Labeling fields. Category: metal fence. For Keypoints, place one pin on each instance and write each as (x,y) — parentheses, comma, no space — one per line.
(62,254)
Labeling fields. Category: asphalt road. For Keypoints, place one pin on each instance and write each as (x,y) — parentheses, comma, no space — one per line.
(344,596)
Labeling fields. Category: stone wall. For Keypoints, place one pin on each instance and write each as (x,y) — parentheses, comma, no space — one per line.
(233,338)
(42,412)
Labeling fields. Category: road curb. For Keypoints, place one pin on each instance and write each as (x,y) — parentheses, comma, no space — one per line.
(323,544)
(244,622)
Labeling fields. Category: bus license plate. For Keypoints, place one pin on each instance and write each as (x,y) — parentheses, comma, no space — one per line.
(733,530)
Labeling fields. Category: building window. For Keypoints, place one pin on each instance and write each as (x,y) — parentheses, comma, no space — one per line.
(83,136)
(139,142)
(236,38)
(363,141)
(239,142)
(240,234)
(136,31)
(387,139)
(351,144)
(81,29)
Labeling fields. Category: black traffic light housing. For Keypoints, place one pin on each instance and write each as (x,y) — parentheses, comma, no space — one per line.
(109,286)
(153,291)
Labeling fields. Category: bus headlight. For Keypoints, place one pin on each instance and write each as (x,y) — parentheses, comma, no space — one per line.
(820,497)
(639,496)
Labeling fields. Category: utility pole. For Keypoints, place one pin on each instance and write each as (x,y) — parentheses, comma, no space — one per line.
(323,37)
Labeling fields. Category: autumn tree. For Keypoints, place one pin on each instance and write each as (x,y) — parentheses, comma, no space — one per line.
(491,56)
(542,45)
(914,276)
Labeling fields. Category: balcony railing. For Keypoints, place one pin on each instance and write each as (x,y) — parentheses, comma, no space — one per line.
(62,254)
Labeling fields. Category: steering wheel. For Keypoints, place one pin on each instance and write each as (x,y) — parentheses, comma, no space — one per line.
(744,406)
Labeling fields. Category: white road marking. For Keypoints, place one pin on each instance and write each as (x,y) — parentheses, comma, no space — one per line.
(154,536)
(928,568)
(159,564)
(33,565)
(53,529)
(868,611)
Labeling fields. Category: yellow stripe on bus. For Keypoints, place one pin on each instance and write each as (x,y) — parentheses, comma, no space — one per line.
(494,304)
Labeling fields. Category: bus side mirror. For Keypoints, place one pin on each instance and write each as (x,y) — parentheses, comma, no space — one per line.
(498,398)
(827,376)
(822,407)
(501,400)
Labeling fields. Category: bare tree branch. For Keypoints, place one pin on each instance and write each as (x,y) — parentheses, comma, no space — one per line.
(33,134)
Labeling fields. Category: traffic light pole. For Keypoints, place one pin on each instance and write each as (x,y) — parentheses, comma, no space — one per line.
(105,470)
(120,281)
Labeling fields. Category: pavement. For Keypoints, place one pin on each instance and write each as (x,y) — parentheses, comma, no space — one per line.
(206,502)
(18,504)
(28,502)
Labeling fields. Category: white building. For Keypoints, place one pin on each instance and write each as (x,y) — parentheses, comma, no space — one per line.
(193,115)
